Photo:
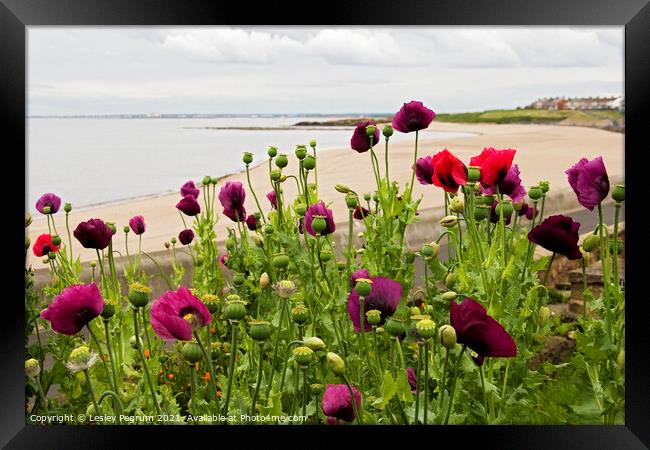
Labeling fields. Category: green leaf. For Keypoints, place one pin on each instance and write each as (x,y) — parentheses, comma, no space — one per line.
(404,393)
(388,391)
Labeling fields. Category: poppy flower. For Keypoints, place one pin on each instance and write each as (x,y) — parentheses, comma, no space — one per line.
(232,196)
(360,141)
(528,211)
(589,181)
(424,170)
(412,379)
(494,165)
(337,403)
(557,234)
(449,172)
(251,222)
(73,308)
(223,259)
(137,224)
(93,233)
(44,245)
(319,209)
(48,199)
(479,331)
(186,236)
(510,186)
(273,199)
(413,116)
(189,188)
(361,273)
(385,297)
(360,213)
(177,314)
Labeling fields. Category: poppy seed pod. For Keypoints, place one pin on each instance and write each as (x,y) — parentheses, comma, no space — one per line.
(300,314)
(488,199)
(280,261)
(319,224)
(427,251)
(449,296)
(238,279)
(235,310)
(351,201)
(367,197)
(447,336)
(67,207)
(618,193)
(544,314)
(139,295)
(247,158)
(535,193)
(109,311)
(282,161)
(591,242)
(473,174)
(370,131)
(312,143)
(276,175)
(373,316)
(394,327)
(56,240)
(504,206)
(47,210)
(415,311)
(303,355)
(211,301)
(260,330)
(269,229)
(309,163)
(126,229)
(315,343)
(300,209)
(449,221)
(192,352)
(481,212)
(335,364)
(363,286)
(206,180)
(301,152)
(325,255)
(272,152)
(426,328)
(32,368)
(544,186)
(387,131)
(340,265)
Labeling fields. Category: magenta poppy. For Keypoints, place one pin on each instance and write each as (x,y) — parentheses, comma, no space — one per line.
(137,224)
(176,315)
(385,297)
(186,236)
(48,199)
(412,379)
(510,186)
(360,213)
(232,196)
(449,172)
(319,209)
(223,259)
(337,403)
(557,234)
(189,206)
(529,212)
(480,332)
(74,308)
(93,233)
(360,141)
(44,245)
(494,164)
(589,181)
(413,116)
(424,170)
(273,199)
(251,222)
(189,188)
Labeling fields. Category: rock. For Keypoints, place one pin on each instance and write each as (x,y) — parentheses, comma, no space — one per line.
(556,350)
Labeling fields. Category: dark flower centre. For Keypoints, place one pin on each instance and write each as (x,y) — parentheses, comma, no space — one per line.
(83,316)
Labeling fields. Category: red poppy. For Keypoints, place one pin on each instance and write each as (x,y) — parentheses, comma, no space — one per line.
(494,165)
(44,245)
(449,172)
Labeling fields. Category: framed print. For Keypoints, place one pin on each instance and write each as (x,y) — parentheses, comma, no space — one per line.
(259,218)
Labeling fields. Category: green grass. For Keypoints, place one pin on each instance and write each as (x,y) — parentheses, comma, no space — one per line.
(530,116)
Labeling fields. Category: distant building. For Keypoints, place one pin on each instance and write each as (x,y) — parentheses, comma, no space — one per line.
(579,103)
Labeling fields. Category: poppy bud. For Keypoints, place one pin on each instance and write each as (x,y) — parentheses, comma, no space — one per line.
(457,205)
(449,221)
(370,131)
(238,279)
(618,193)
(28,219)
(447,336)
(260,330)
(318,224)
(387,131)
(335,364)
(340,265)
(235,310)
(93,264)
(415,311)
(108,311)
(300,314)
(300,209)
(301,152)
(535,193)
(192,352)
(268,229)
(272,152)
(394,327)
(488,200)
(591,242)
(303,355)
(167,245)
(247,158)
(481,212)
(544,186)
(619,246)
(32,368)
(586,258)
(315,343)
(426,328)
(312,143)
(373,316)
(206,180)
(449,296)
(427,251)
(450,280)
(51,255)
(126,229)
(264,280)
(67,207)
(280,261)
(276,175)
(504,207)
(544,314)
(325,255)
(214,180)
(473,174)
(282,161)
(375,198)
(27,242)
(351,200)
(343,189)
(363,287)
(309,162)
(259,240)
(173,240)
(620,360)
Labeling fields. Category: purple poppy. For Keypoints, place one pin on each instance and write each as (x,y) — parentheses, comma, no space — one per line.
(510,186)
(186,236)
(385,296)
(424,170)
(337,402)
(557,234)
(589,181)
(232,196)
(494,216)
(176,315)
(273,199)
(137,224)
(360,142)
(413,116)
(319,209)
(480,332)
(412,379)
(48,199)
(527,210)
(251,222)
(94,233)
(223,259)
(73,308)
(189,188)
(189,206)
(360,213)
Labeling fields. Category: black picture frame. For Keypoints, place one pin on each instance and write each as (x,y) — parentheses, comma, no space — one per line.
(16,15)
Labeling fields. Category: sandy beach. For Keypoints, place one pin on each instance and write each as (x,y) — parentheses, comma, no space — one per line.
(544,152)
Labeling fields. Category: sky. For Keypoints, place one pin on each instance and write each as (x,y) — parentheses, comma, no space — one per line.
(326,70)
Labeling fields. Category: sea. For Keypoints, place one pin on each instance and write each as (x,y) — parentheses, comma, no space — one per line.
(92,161)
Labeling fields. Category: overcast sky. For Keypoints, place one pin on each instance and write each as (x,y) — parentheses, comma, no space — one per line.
(314,69)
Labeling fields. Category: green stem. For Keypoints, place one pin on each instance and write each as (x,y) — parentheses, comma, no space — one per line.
(386,158)
(91,391)
(208,359)
(231,369)
(415,160)
(617,210)
(67,226)
(548,269)
(144,361)
(117,401)
(374,336)
(418,378)
(349,255)
(276,346)
(250,187)
(259,377)
(304,391)
(193,384)
(485,403)
(444,379)
(453,385)
(110,354)
(353,400)
(426,381)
